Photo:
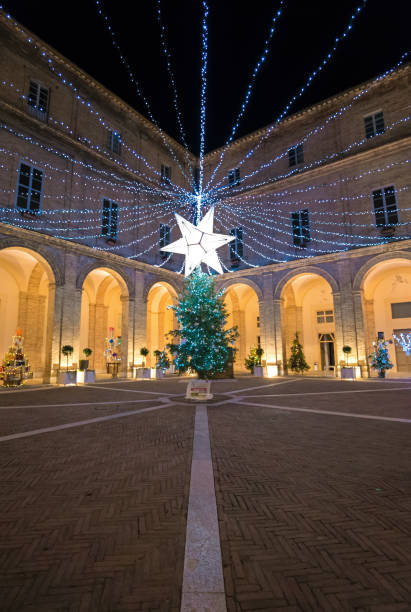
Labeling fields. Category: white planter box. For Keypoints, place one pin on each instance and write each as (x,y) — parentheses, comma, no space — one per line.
(157,373)
(143,373)
(86,376)
(199,390)
(351,372)
(258,371)
(271,370)
(67,378)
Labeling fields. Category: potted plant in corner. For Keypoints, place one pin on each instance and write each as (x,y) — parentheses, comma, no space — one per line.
(84,375)
(253,361)
(347,371)
(143,372)
(380,358)
(67,377)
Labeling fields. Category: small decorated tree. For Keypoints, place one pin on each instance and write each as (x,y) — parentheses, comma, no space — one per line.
(254,358)
(162,360)
(380,358)
(67,350)
(203,342)
(297,362)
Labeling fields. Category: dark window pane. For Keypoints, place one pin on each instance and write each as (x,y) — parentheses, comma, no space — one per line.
(402,310)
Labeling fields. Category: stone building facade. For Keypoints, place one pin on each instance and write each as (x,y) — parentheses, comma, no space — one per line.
(87,193)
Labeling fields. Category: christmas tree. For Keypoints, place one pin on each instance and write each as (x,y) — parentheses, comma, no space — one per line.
(380,358)
(297,362)
(203,342)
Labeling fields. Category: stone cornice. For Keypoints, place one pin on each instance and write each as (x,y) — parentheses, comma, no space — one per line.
(393,146)
(22,33)
(309,110)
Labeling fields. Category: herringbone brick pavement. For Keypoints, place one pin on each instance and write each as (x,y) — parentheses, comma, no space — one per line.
(314,510)
(93,518)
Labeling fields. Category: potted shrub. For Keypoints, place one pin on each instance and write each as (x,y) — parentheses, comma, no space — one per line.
(67,377)
(84,362)
(84,375)
(346,370)
(143,372)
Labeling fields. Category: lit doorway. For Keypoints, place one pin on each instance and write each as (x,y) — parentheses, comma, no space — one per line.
(403,362)
(327,352)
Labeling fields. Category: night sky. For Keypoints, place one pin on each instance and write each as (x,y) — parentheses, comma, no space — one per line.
(305,34)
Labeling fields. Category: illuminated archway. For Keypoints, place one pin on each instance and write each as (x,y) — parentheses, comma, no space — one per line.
(27,291)
(104,307)
(387,307)
(160,318)
(243,311)
(307,307)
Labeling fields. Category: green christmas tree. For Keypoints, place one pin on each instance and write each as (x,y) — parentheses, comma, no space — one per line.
(203,343)
(380,358)
(297,362)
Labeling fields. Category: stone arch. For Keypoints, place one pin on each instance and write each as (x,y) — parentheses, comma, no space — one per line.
(160,318)
(116,271)
(384,285)
(54,270)
(27,301)
(243,305)
(366,268)
(305,270)
(155,281)
(226,284)
(105,306)
(307,307)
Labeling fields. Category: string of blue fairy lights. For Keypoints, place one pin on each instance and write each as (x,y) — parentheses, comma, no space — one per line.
(306,85)
(249,211)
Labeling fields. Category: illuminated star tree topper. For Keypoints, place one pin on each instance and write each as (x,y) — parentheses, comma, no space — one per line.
(199,243)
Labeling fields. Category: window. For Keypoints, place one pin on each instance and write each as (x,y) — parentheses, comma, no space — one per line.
(325,316)
(38,101)
(165,173)
(374,125)
(234,177)
(401,310)
(296,155)
(258,322)
(114,142)
(164,239)
(236,246)
(385,207)
(109,225)
(29,188)
(300,223)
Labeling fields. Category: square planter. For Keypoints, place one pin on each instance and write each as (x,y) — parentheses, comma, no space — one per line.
(67,378)
(258,371)
(350,372)
(86,376)
(157,373)
(143,373)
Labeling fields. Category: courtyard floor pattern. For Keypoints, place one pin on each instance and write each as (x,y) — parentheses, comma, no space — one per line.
(313,507)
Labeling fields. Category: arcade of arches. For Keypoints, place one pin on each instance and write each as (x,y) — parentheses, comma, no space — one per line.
(325,312)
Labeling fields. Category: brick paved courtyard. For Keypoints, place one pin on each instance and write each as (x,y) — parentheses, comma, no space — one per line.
(312,481)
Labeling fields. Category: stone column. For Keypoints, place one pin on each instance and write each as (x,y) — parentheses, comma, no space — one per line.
(127,336)
(277,304)
(140,318)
